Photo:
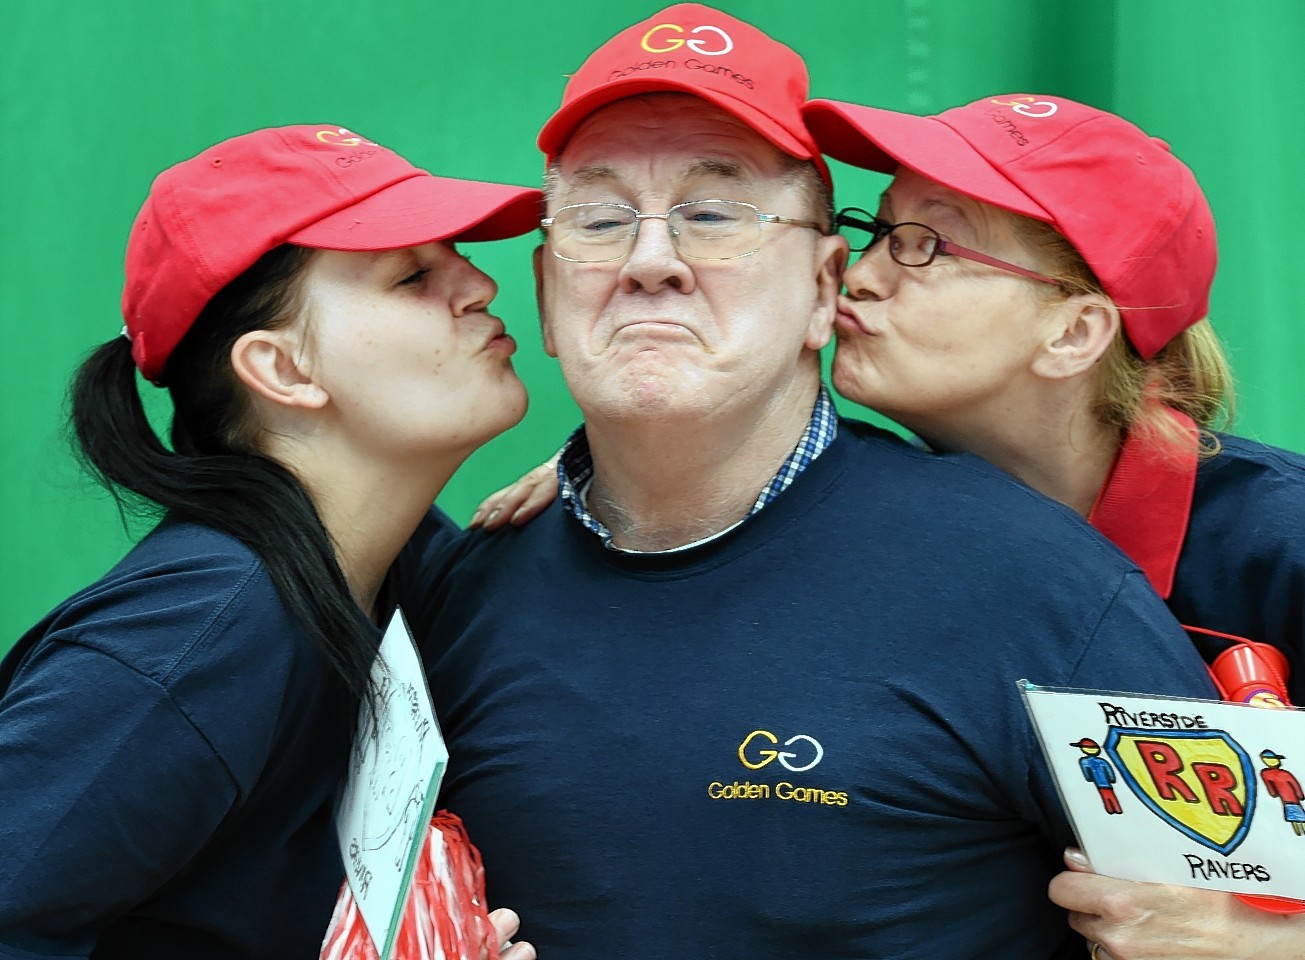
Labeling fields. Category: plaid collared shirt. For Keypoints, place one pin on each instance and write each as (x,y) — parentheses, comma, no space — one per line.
(575,466)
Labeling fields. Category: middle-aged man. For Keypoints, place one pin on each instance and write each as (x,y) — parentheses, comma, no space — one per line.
(748,689)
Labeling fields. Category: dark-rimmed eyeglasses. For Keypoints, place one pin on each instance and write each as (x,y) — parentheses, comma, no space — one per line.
(914,244)
(700,230)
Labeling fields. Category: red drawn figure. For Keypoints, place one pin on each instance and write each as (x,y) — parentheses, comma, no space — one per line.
(1097,770)
(1281,784)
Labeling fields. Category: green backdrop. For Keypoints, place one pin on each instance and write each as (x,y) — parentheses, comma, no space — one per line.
(96,97)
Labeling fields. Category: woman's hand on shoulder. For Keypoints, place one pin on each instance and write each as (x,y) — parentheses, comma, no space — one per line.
(506,924)
(1153,921)
(521,501)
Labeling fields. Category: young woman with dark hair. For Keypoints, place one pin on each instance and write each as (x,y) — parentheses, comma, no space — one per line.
(173,737)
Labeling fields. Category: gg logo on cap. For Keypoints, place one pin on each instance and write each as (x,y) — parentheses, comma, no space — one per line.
(1024,106)
(344,138)
(694,44)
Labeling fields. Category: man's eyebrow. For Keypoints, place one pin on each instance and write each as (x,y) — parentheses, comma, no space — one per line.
(600,173)
(595,173)
(718,168)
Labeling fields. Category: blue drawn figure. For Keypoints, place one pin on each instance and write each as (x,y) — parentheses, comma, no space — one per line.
(1097,770)
(1281,784)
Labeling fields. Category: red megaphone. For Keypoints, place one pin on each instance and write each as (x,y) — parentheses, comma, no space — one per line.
(1250,672)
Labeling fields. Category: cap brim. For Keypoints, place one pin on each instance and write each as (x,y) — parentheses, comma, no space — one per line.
(883,140)
(555,133)
(423,209)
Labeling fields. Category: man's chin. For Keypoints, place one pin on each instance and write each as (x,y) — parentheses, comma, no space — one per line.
(650,396)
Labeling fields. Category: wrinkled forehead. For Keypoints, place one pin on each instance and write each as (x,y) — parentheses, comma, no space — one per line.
(656,141)
(913,196)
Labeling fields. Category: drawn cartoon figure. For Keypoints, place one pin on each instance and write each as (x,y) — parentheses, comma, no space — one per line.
(1281,784)
(1097,769)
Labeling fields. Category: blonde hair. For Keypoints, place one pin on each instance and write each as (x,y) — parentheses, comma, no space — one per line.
(1190,373)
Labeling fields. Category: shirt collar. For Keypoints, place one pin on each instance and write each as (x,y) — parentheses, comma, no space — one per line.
(575,467)
(1146,501)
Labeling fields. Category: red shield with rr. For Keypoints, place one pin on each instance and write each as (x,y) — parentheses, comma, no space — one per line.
(1200,782)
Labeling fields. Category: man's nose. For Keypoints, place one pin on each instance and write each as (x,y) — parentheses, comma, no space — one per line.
(654,262)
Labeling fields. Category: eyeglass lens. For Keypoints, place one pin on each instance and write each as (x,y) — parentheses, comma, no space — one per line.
(701,229)
(910,244)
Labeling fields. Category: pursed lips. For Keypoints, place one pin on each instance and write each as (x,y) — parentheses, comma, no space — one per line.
(497,332)
(850,321)
(653,328)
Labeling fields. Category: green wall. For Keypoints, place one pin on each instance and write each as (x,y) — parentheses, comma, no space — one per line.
(96,97)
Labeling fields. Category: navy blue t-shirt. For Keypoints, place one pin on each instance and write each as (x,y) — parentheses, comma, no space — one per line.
(1242,567)
(170,751)
(802,739)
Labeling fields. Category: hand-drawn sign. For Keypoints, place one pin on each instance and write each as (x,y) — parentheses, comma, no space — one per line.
(1200,782)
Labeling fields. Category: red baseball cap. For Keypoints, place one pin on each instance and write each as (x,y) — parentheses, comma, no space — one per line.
(1130,208)
(692,48)
(208,219)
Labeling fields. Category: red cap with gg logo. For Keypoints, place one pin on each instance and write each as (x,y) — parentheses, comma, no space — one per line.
(1130,208)
(691,48)
(208,219)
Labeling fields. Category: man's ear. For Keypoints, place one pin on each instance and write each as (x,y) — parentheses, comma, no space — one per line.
(270,363)
(545,326)
(1080,332)
(831,261)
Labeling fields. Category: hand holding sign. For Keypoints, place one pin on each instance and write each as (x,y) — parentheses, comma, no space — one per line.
(1187,792)
(1169,922)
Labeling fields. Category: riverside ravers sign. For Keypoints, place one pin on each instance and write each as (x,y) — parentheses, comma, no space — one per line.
(1194,792)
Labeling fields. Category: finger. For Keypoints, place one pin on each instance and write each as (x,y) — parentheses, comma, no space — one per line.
(1086,926)
(509,501)
(521,950)
(483,510)
(1077,860)
(506,923)
(1081,892)
(540,497)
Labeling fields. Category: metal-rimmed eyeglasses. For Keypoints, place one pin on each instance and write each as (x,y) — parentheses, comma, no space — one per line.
(914,244)
(700,230)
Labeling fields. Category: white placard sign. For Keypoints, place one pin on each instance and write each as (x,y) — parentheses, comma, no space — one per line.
(1193,792)
(395,768)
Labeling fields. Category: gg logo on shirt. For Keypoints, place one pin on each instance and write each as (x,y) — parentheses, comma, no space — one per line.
(765,755)
(757,751)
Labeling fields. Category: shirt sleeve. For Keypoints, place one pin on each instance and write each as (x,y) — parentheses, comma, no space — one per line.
(1136,646)
(420,566)
(106,791)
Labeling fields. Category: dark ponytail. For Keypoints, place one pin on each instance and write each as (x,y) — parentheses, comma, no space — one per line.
(214,474)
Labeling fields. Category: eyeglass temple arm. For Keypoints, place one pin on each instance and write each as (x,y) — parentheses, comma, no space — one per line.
(845,219)
(946,246)
(776,218)
(871,226)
